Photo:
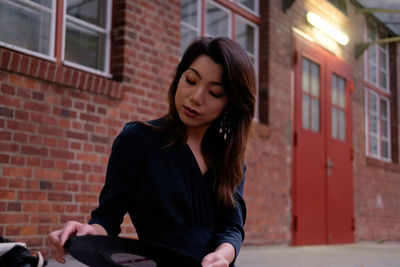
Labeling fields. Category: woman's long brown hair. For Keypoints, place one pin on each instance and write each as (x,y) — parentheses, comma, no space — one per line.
(225,158)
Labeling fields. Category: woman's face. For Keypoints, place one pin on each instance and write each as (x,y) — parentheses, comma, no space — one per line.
(200,97)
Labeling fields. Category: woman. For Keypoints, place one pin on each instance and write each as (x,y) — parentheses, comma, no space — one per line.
(181,177)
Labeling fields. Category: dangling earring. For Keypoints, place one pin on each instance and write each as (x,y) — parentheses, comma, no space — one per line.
(224,125)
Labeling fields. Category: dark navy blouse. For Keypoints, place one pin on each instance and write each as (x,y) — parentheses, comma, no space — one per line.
(169,200)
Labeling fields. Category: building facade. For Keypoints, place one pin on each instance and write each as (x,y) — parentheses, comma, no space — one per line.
(323,164)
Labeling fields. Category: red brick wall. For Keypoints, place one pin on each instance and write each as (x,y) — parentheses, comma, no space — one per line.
(57,124)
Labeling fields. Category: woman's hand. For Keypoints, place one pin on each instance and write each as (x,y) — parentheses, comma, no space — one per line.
(221,257)
(57,239)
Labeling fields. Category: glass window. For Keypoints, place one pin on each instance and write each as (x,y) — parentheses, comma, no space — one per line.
(378,126)
(338,110)
(189,22)
(311,92)
(217,20)
(252,5)
(87,33)
(32,27)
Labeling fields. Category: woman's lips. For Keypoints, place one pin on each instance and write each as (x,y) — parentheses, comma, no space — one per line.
(191,112)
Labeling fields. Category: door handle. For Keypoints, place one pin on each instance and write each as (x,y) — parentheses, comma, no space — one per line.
(329,166)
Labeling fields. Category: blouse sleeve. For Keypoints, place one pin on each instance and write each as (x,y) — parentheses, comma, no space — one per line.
(230,220)
(120,181)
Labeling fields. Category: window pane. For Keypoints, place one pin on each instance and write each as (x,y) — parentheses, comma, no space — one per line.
(373,103)
(187,36)
(334,99)
(46,3)
(315,115)
(373,145)
(189,12)
(85,46)
(373,124)
(385,149)
(382,57)
(382,80)
(245,35)
(384,128)
(314,79)
(342,125)
(306,112)
(92,11)
(217,21)
(334,123)
(250,4)
(384,108)
(27,27)
(342,95)
(372,73)
(306,75)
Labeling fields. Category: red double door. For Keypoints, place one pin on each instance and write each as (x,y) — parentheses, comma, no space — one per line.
(322,152)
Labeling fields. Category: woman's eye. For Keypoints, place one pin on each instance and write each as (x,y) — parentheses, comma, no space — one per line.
(215,95)
(191,82)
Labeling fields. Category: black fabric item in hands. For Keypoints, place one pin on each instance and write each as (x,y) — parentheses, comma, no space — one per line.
(112,251)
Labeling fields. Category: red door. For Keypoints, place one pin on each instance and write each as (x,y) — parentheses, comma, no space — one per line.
(322,169)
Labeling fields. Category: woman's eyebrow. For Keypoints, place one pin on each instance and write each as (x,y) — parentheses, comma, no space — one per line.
(198,74)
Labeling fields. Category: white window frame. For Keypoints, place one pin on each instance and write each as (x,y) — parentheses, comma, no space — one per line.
(378,49)
(224,9)
(379,136)
(199,21)
(256,61)
(52,11)
(257,7)
(106,31)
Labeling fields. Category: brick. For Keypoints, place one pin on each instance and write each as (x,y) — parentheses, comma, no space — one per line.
(45,207)
(61,154)
(48,174)
(38,107)
(13,206)
(77,135)
(86,198)
(60,197)
(31,195)
(52,131)
(13,230)
(8,101)
(70,176)
(17,171)
(33,150)
(24,66)
(33,68)
(7,194)
(18,160)
(4,159)
(28,230)
(21,115)
(33,162)
(87,157)
(6,136)
(42,71)
(14,218)
(19,126)
(8,89)
(91,118)
(20,137)
(15,61)
(23,92)
(59,208)
(5,59)
(46,185)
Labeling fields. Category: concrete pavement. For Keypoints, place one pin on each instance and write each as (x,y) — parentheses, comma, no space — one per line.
(364,254)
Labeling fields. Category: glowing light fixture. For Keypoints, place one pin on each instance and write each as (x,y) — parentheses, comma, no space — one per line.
(327,28)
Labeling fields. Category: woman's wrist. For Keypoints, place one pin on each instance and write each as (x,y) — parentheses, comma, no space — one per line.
(227,251)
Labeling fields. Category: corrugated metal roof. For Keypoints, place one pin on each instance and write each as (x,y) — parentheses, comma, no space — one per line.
(392,20)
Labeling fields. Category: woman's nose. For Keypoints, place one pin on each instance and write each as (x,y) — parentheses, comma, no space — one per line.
(197,96)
